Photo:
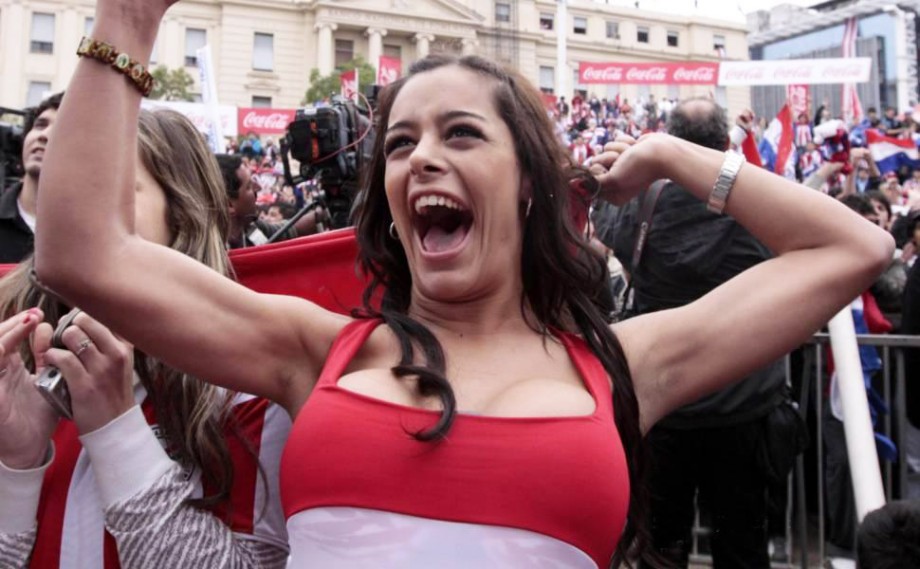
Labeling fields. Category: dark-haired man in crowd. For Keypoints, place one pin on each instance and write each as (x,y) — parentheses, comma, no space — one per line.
(17,203)
(714,446)
(246,229)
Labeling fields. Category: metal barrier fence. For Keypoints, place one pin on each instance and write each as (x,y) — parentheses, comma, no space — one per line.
(809,550)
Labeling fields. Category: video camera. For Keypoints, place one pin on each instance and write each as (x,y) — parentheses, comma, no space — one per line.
(332,143)
(11,168)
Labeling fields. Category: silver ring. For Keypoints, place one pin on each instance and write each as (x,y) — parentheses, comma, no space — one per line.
(84,344)
(4,370)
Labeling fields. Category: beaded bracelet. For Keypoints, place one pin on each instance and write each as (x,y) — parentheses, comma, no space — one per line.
(121,62)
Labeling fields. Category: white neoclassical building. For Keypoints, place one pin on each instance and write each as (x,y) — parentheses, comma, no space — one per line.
(264,50)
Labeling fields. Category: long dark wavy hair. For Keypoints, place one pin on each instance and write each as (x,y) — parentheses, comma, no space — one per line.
(564,281)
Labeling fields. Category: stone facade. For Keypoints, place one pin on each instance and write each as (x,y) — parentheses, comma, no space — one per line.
(38,39)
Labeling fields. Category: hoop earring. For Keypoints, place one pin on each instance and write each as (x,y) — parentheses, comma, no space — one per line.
(393,231)
(529,203)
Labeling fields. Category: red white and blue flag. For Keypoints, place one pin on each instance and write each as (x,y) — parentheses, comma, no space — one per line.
(778,143)
(890,154)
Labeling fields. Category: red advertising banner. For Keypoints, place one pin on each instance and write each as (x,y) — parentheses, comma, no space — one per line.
(799,99)
(349,82)
(389,69)
(264,121)
(670,73)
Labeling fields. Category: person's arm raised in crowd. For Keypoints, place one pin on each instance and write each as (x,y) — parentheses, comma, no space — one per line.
(825,255)
(822,175)
(89,252)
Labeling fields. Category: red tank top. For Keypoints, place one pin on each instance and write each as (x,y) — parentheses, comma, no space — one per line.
(564,477)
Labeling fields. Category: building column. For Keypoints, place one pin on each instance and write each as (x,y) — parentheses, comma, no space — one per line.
(375,46)
(468,46)
(325,48)
(422,44)
(15,47)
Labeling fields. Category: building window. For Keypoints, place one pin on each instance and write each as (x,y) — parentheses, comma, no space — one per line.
(393,51)
(42,33)
(88,26)
(613,30)
(718,43)
(344,52)
(263,52)
(37,92)
(581,25)
(546,21)
(502,12)
(195,39)
(673,38)
(642,34)
(261,102)
(547,78)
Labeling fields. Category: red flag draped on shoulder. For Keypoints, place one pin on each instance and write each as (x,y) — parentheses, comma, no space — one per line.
(320,268)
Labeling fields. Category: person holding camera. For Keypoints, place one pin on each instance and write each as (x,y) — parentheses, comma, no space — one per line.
(147,453)
(17,203)
(246,229)
(481,384)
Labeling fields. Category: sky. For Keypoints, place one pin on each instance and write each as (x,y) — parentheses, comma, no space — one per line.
(732,10)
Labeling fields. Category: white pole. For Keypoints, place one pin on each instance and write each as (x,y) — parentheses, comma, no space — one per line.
(562,66)
(857,424)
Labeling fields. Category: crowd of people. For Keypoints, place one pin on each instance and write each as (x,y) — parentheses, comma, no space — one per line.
(483,407)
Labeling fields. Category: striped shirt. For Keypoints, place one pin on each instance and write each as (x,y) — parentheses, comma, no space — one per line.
(82,526)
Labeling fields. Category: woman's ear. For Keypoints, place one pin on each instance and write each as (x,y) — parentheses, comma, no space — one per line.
(526,189)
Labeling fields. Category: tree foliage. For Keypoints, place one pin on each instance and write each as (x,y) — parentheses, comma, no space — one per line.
(322,87)
(171,85)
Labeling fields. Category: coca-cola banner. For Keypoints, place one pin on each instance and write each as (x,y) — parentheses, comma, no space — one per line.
(796,71)
(670,73)
(389,69)
(264,121)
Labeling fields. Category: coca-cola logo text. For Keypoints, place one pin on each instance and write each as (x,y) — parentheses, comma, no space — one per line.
(695,74)
(598,74)
(254,120)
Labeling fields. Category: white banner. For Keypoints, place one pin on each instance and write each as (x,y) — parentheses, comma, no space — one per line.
(200,115)
(795,71)
(209,98)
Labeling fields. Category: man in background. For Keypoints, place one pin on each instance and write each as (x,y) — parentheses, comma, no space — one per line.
(17,203)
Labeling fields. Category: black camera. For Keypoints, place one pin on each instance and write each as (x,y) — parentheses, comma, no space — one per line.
(332,143)
(11,167)
(50,383)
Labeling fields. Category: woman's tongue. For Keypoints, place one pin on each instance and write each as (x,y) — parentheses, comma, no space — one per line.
(439,239)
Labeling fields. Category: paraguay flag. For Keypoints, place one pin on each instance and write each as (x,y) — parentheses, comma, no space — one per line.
(777,144)
(890,154)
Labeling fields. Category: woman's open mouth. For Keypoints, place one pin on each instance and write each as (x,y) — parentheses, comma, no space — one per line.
(442,223)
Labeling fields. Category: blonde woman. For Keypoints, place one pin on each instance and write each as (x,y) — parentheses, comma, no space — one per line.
(158,451)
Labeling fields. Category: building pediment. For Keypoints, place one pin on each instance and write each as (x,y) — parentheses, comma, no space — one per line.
(425,16)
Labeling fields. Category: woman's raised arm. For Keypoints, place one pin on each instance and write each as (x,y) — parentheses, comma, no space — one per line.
(825,256)
(165,303)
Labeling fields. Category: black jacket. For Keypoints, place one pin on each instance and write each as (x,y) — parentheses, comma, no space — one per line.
(16,238)
(688,252)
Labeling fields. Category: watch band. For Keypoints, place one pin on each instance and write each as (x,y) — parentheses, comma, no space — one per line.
(730,168)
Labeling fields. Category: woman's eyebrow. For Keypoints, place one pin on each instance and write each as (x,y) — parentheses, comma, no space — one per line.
(443,117)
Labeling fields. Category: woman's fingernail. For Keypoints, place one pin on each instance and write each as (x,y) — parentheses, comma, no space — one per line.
(27,318)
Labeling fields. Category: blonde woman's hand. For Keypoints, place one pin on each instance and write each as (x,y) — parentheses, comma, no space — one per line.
(26,420)
(99,369)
